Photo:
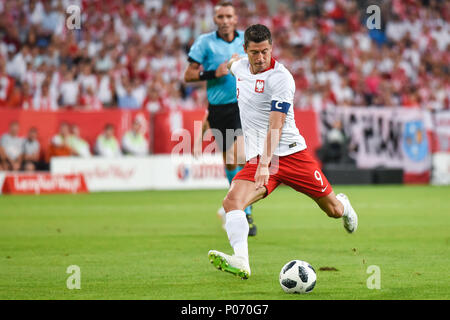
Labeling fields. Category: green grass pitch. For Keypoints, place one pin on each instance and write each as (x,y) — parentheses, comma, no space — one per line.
(153,245)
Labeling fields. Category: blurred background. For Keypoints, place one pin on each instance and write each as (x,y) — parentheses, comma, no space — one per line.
(373,104)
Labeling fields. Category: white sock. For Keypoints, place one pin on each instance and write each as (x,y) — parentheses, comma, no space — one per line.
(344,203)
(237,228)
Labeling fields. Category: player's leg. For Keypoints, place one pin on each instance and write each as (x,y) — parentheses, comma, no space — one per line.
(234,159)
(231,169)
(302,172)
(219,120)
(331,205)
(241,194)
(228,135)
(338,206)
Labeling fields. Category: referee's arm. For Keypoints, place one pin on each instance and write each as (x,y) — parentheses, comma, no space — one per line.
(194,72)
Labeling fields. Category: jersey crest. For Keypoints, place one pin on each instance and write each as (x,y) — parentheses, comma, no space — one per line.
(259,86)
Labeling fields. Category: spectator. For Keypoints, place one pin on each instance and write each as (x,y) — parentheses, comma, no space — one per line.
(126,98)
(78,146)
(60,143)
(44,100)
(107,144)
(146,42)
(86,78)
(152,101)
(134,142)
(69,91)
(11,144)
(31,151)
(6,85)
(105,90)
(89,101)
(335,147)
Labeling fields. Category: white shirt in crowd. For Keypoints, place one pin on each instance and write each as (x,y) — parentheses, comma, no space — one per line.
(69,92)
(134,144)
(12,145)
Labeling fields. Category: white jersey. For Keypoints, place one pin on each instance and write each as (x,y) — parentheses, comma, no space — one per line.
(257,94)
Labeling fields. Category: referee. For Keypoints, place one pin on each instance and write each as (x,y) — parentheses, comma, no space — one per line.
(208,59)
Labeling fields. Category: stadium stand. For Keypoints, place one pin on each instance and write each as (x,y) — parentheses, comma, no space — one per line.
(132,54)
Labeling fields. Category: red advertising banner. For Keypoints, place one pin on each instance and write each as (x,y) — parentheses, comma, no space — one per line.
(90,123)
(44,183)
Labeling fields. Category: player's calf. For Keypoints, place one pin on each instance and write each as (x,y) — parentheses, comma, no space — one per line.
(339,207)
(331,206)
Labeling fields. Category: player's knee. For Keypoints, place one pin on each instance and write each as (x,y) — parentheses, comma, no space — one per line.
(230,203)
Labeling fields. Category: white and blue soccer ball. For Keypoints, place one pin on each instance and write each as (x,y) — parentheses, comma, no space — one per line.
(297,276)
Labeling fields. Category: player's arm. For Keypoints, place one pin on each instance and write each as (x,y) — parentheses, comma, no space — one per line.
(283,88)
(235,57)
(276,122)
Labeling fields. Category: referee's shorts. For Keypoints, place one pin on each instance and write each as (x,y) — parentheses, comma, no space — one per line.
(222,117)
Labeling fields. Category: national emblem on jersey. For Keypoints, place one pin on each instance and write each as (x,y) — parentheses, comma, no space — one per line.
(259,86)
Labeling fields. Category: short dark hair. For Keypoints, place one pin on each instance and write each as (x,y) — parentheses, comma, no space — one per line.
(224,4)
(257,33)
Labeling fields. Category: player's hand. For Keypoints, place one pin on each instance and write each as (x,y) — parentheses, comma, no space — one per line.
(261,176)
(235,57)
(222,70)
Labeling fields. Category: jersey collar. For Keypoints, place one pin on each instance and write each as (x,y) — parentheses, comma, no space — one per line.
(272,65)
(236,34)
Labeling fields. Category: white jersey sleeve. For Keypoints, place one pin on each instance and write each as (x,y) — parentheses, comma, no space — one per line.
(282,87)
(235,66)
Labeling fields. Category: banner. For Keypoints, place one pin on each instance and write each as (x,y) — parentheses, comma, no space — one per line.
(160,172)
(90,123)
(441,124)
(105,174)
(385,137)
(43,183)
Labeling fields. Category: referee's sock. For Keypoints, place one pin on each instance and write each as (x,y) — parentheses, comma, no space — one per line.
(230,175)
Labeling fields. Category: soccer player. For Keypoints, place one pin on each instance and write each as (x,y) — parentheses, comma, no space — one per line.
(208,59)
(275,150)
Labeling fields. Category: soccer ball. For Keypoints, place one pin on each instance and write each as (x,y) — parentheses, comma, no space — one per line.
(297,276)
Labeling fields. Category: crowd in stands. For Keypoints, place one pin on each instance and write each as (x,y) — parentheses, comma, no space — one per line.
(132,54)
(24,153)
